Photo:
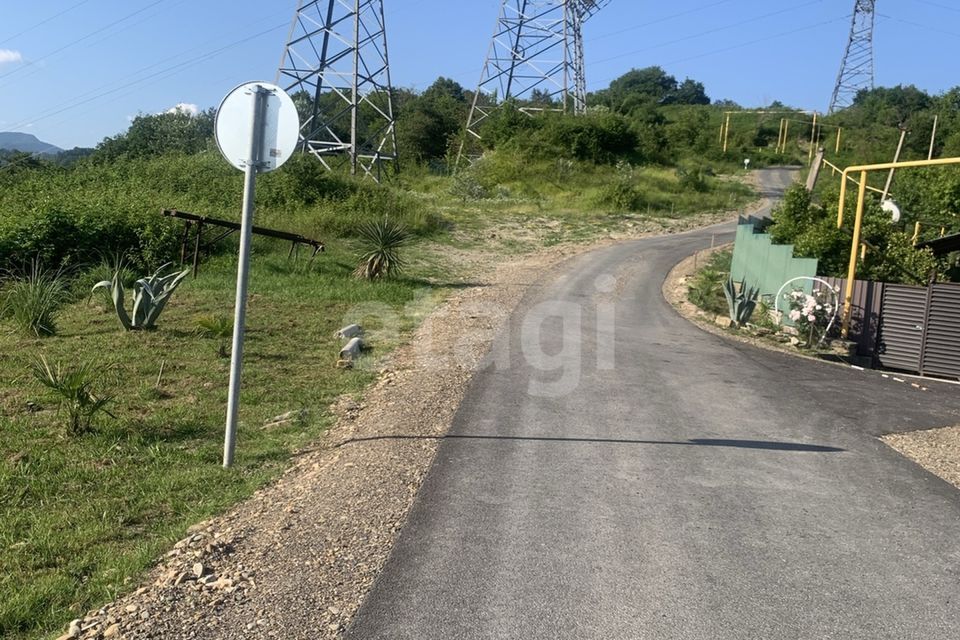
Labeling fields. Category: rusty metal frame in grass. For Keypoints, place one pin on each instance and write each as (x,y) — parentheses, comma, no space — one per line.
(193,221)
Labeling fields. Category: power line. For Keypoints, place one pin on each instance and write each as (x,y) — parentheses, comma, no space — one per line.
(659,20)
(921,26)
(79,40)
(939,6)
(43,22)
(750,43)
(709,32)
(39,69)
(165,72)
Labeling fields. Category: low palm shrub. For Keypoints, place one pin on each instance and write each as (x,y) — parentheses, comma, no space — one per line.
(215,326)
(72,387)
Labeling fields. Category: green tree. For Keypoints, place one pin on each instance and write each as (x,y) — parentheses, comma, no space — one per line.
(154,135)
(690,92)
(811,229)
(428,123)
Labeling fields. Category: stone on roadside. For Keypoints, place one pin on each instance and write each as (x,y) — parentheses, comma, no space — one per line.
(350,331)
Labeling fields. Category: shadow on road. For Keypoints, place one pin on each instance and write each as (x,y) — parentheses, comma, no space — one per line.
(765,445)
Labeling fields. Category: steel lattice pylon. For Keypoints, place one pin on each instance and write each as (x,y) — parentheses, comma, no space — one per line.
(536,53)
(336,67)
(856,71)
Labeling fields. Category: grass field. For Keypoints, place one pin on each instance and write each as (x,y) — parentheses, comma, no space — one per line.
(82,516)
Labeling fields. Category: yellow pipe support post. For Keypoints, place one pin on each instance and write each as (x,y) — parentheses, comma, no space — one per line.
(843,199)
(896,159)
(861,197)
(780,136)
(852,269)
(721,132)
(726,134)
(839,133)
(786,135)
(813,137)
(916,233)
(933,136)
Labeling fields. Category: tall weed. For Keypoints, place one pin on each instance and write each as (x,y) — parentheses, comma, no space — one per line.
(31,301)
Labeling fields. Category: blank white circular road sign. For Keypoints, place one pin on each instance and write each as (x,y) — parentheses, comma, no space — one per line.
(234,126)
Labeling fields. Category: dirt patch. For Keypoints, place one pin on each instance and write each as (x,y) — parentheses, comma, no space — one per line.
(936,450)
(296,560)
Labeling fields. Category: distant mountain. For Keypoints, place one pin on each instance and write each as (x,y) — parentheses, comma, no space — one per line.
(14,141)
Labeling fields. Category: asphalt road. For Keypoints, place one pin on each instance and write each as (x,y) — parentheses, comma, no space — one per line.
(687,488)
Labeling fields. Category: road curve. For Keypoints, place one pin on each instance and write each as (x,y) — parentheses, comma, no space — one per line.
(618,473)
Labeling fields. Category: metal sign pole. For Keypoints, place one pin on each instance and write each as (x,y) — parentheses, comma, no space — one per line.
(243,271)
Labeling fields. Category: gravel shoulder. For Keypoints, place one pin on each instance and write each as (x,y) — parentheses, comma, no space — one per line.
(936,450)
(296,560)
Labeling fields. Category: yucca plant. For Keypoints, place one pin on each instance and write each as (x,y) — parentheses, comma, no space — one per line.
(150,296)
(32,301)
(382,242)
(741,303)
(72,387)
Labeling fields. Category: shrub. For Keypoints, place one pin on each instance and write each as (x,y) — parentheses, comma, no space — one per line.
(692,179)
(706,288)
(215,326)
(812,313)
(32,301)
(72,387)
(623,194)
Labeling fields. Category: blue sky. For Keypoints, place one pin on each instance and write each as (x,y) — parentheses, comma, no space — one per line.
(72,79)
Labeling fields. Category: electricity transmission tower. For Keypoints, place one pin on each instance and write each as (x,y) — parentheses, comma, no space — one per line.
(536,55)
(336,68)
(856,71)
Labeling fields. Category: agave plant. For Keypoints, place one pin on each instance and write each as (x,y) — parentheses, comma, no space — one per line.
(382,243)
(741,303)
(150,296)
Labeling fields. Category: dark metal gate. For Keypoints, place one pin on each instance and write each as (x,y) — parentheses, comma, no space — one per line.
(941,346)
(920,329)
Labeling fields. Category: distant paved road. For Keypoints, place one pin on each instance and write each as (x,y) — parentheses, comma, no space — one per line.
(699,489)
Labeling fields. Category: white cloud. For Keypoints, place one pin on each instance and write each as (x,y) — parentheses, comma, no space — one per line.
(184,107)
(9,55)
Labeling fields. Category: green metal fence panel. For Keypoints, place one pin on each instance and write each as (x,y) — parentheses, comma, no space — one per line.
(766,265)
